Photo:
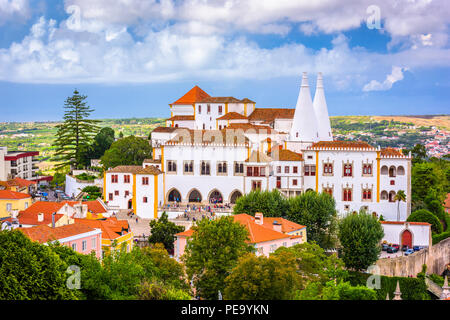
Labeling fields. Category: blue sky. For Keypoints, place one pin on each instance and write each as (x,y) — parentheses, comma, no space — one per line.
(133,60)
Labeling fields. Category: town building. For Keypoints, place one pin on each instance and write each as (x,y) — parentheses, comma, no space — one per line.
(11,202)
(216,149)
(22,164)
(407,233)
(19,185)
(81,238)
(265,234)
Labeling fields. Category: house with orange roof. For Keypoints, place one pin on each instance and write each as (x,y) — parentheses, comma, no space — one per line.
(11,202)
(405,233)
(19,185)
(115,233)
(265,235)
(81,238)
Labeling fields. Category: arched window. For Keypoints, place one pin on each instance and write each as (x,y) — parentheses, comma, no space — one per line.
(400,171)
(215,197)
(384,195)
(195,196)
(234,196)
(384,170)
(391,196)
(392,171)
(174,195)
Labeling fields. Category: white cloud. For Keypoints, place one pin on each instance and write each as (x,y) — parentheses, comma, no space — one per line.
(396,75)
(13,9)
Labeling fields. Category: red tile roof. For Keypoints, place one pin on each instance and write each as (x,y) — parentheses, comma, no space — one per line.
(19,182)
(165,129)
(288,155)
(251,127)
(44,233)
(192,96)
(31,218)
(403,222)
(181,118)
(220,100)
(13,195)
(270,114)
(136,170)
(286,225)
(94,206)
(342,145)
(111,227)
(232,116)
(391,152)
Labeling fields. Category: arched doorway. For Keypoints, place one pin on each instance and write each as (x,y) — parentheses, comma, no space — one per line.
(195,196)
(215,197)
(392,171)
(174,195)
(407,238)
(392,196)
(234,196)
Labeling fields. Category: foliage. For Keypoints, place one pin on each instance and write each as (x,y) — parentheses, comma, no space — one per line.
(428,181)
(127,151)
(59,178)
(317,211)
(85,177)
(345,291)
(270,203)
(93,192)
(360,235)
(423,215)
(163,231)
(158,291)
(30,270)
(439,237)
(262,278)
(418,153)
(313,264)
(101,142)
(212,252)
(400,196)
(76,132)
(411,288)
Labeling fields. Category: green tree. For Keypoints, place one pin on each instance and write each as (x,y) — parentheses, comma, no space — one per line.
(400,196)
(102,142)
(345,291)
(30,270)
(427,180)
(418,153)
(163,231)
(317,211)
(93,192)
(212,252)
(75,133)
(262,278)
(423,215)
(127,151)
(360,235)
(270,203)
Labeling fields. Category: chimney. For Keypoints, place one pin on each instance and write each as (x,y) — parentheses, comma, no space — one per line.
(84,210)
(259,219)
(40,217)
(53,219)
(277,226)
(321,111)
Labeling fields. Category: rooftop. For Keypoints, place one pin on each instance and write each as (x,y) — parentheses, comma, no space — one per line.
(270,114)
(181,118)
(13,195)
(111,227)
(342,145)
(135,170)
(196,94)
(44,233)
(232,116)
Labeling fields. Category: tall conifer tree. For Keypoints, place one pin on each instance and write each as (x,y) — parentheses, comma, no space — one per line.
(76,132)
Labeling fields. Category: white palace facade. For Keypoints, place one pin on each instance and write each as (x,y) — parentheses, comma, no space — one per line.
(215,149)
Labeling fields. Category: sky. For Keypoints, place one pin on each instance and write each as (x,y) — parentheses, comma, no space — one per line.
(134,57)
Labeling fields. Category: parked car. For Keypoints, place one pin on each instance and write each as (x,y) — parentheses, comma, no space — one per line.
(417,248)
(394,248)
(405,247)
(384,247)
(408,252)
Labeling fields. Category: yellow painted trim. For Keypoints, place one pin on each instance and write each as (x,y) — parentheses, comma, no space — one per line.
(378,175)
(155,203)
(164,174)
(245,109)
(317,171)
(193,105)
(171,114)
(162,158)
(217,124)
(248,152)
(133,201)
(226,108)
(104,186)
(285,145)
(269,145)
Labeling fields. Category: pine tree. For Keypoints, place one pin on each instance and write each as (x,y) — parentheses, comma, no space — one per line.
(76,132)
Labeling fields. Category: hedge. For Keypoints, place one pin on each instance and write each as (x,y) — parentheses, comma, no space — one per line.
(439,237)
(411,288)
(423,215)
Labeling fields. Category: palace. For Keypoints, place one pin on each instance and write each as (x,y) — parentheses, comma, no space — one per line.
(215,149)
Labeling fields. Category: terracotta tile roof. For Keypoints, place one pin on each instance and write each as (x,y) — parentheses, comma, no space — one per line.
(270,114)
(17,182)
(286,225)
(342,145)
(165,129)
(44,233)
(391,152)
(259,157)
(288,155)
(247,100)
(31,218)
(257,233)
(13,195)
(220,100)
(181,118)
(192,96)
(252,127)
(111,227)
(209,136)
(152,161)
(447,201)
(232,116)
(49,207)
(403,222)
(135,170)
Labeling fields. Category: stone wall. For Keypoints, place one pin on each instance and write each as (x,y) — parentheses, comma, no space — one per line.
(435,258)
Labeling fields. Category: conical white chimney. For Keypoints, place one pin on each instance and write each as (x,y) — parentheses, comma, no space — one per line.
(304,125)
(321,111)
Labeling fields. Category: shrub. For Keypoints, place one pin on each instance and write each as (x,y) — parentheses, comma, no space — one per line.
(423,215)
(439,237)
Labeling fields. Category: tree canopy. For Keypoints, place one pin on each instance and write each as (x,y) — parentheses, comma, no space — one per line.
(130,150)
(212,252)
(76,132)
(163,231)
(360,235)
(423,215)
(270,203)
